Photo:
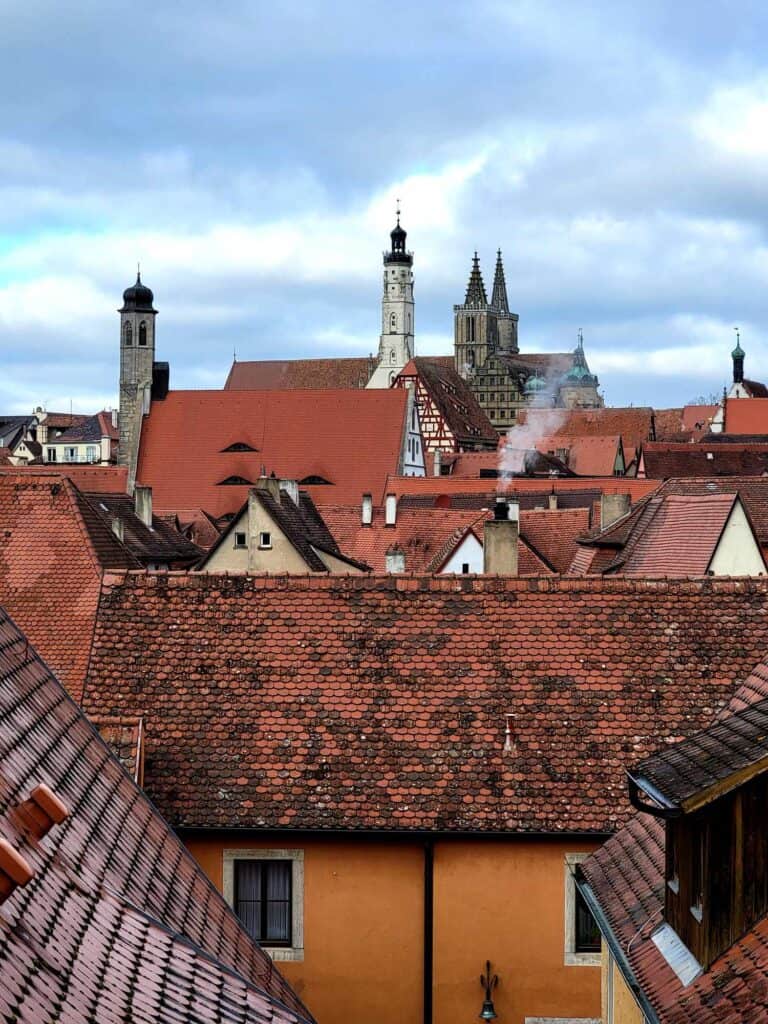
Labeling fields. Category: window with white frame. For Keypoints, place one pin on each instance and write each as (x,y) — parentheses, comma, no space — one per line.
(266,890)
(582,936)
(265,539)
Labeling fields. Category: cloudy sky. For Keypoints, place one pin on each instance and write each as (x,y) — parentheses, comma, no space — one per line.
(249,155)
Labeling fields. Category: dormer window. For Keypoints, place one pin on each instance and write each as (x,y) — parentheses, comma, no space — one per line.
(240,446)
(235,481)
(308,480)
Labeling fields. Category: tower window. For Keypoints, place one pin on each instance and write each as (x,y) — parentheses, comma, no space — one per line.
(128,333)
(143,333)
(393,323)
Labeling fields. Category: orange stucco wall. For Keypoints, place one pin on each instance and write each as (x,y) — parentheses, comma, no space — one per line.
(363,929)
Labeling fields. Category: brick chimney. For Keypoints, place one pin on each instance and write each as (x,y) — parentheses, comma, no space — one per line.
(500,539)
(142,504)
(613,507)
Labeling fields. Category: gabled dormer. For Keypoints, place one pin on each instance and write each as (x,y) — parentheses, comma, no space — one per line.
(712,793)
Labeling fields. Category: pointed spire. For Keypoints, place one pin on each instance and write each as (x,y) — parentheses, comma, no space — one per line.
(476,288)
(499,297)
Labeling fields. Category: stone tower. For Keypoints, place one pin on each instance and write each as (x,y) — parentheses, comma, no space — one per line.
(475,327)
(397,323)
(137,356)
(506,321)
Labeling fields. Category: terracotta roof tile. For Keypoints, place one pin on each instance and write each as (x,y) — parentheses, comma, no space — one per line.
(118,922)
(626,876)
(380,703)
(746,416)
(593,455)
(451,488)
(101,479)
(753,491)
(295,434)
(635,425)
(293,374)
(454,400)
(53,548)
(662,459)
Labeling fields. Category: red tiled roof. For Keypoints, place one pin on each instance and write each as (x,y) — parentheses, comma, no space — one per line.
(53,548)
(101,479)
(352,439)
(448,486)
(63,420)
(5,454)
(663,459)
(746,416)
(428,536)
(293,374)
(454,400)
(593,455)
(753,491)
(697,418)
(197,525)
(125,738)
(118,922)
(626,876)
(381,702)
(635,426)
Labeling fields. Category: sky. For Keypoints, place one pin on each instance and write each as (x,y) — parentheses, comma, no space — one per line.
(250,155)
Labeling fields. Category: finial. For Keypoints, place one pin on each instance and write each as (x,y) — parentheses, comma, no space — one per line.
(580,336)
(738,335)
(398,212)
(138,273)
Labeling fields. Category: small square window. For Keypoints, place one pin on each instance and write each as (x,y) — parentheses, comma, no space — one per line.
(241,540)
(265,539)
(465,568)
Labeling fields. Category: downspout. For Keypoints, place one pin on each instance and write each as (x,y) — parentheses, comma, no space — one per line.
(429,915)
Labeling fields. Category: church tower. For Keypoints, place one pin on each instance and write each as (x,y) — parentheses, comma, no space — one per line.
(137,356)
(506,321)
(397,323)
(475,329)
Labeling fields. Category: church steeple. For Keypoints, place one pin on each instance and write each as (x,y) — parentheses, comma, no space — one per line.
(738,359)
(396,345)
(476,287)
(499,296)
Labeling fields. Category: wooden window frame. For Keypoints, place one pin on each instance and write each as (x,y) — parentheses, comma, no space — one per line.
(295,952)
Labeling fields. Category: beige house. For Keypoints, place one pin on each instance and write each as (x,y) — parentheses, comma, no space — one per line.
(278,530)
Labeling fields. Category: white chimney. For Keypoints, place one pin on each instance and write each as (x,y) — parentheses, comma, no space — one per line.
(613,507)
(291,487)
(438,462)
(500,540)
(118,529)
(367,510)
(390,510)
(142,503)
(114,418)
(552,502)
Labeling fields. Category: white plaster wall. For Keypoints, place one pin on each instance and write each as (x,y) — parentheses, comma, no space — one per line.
(470,550)
(738,553)
(413,457)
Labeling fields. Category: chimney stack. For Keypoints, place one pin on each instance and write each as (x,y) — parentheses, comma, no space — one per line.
(500,539)
(438,462)
(552,502)
(367,510)
(390,510)
(613,507)
(142,503)
(270,484)
(291,487)
(118,529)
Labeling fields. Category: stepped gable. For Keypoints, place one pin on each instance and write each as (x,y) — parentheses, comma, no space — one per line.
(53,552)
(381,703)
(299,374)
(118,922)
(223,441)
(626,876)
(662,460)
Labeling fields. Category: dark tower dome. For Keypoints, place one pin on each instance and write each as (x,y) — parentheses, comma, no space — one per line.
(138,297)
(398,252)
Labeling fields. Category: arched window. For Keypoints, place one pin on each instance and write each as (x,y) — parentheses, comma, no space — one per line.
(392,356)
(393,323)
(128,333)
(143,332)
(409,323)
(471,357)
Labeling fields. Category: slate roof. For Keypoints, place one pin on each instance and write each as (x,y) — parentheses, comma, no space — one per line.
(92,429)
(662,459)
(53,548)
(746,416)
(293,374)
(118,923)
(635,425)
(163,543)
(626,876)
(354,702)
(454,400)
(295,434)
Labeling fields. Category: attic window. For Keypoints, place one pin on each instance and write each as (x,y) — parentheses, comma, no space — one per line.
(235,481)
(314,480)
(240,446)
(265,540)
(241,540)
